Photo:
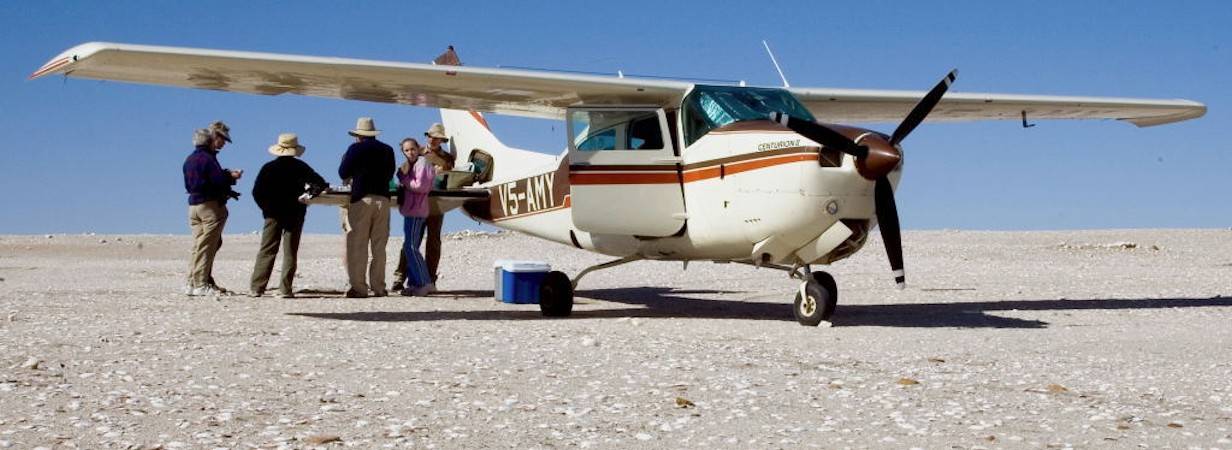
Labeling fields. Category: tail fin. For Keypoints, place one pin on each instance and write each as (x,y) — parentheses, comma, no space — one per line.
(468,131)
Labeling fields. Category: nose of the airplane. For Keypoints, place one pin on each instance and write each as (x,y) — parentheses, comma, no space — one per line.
(882,158)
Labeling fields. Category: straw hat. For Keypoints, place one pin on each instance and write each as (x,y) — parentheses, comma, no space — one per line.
(221,129)
(364,127)
(436,131)
(288,145)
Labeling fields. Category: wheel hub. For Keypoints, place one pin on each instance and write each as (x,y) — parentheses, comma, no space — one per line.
(808,305)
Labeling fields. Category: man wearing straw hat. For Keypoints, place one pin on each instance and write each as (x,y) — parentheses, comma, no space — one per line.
(369,165)
(443,161)
(208,186)
(277,190)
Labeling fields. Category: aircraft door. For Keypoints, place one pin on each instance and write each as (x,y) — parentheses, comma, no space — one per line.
(624,174)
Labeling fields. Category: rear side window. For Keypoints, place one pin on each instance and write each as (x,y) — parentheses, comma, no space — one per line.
(601,130)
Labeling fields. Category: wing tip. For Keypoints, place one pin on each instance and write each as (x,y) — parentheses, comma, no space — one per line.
(1192,111)
(67,57)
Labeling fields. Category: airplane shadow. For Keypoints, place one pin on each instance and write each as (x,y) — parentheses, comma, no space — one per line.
(337,293)
(659,302)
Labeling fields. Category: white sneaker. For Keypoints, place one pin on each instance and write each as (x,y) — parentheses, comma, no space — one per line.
(424,290)
(188,290)
(206,291)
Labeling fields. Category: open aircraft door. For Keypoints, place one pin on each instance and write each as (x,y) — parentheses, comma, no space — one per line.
(624,174)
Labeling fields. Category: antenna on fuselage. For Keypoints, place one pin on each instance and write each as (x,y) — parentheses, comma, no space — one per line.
(776,64)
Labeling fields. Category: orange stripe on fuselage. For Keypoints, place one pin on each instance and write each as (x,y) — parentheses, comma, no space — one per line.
(623,178)
(691,175)
(769,162)
(704,173)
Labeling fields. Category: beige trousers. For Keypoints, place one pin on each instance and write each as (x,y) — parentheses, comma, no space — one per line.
(366,225)
(207,221)
(287,234)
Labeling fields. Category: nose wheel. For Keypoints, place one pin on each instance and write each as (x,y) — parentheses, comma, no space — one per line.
(556,295)
(816,299)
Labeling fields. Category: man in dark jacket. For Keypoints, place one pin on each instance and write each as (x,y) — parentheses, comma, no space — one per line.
(369,165)
(209,187)
(277,190)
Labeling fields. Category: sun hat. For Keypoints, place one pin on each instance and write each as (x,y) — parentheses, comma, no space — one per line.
(364,127)
(288,145)
(436,131)
(221,129)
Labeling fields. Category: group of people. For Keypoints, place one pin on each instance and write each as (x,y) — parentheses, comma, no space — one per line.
(282,190)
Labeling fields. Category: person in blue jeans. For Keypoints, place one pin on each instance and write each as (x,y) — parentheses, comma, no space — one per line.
(415,181)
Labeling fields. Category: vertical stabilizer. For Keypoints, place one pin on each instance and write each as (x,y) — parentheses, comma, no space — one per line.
(469,131)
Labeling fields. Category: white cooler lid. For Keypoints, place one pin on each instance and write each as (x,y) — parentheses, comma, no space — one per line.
(524,266)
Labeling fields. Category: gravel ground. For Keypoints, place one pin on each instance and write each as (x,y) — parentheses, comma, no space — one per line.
(1092,339)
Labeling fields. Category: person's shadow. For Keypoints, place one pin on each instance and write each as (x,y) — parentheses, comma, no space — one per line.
(660,302)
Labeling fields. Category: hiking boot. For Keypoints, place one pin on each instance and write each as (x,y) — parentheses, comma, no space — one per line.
(355,294)
(380,293)
(398,285)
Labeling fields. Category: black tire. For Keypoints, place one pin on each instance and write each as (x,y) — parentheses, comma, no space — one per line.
(823,293)
(556,295)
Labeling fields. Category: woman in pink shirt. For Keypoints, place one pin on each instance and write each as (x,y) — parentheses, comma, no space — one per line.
(415,180)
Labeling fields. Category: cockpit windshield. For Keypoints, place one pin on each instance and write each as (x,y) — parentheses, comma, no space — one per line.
(710,107)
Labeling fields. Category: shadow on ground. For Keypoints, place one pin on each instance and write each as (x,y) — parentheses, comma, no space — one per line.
(659,302)
(335,293)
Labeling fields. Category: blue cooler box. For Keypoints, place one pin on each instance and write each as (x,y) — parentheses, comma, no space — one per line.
(518,281)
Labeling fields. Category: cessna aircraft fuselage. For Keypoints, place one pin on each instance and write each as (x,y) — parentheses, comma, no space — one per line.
(723,197)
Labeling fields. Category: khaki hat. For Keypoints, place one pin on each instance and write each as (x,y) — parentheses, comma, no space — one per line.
(436,131)
(288,145)
(221,129)
(364,127)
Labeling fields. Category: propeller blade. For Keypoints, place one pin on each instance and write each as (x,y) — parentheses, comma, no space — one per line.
(821,134)
(887,220)
(922,108)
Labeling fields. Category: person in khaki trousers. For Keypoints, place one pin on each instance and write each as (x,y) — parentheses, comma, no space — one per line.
(443,160)
(369,165)
(278,190)
(209,187)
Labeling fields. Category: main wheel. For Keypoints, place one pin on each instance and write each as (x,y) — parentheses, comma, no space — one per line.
(816,299)
(556,295)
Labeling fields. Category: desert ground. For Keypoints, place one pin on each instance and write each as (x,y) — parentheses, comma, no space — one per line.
(1087,339)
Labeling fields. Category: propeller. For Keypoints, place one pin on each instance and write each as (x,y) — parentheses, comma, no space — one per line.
(875,159)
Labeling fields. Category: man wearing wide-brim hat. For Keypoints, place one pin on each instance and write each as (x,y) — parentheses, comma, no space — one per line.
(277,191)
(443,160)
(369,166)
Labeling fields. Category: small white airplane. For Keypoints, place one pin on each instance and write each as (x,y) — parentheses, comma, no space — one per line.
(654,169)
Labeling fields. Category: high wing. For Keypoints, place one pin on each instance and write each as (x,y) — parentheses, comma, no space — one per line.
(542,94)
(853,105)
(502,91)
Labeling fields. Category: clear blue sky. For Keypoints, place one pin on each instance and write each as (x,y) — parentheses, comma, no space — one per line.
(90,156)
